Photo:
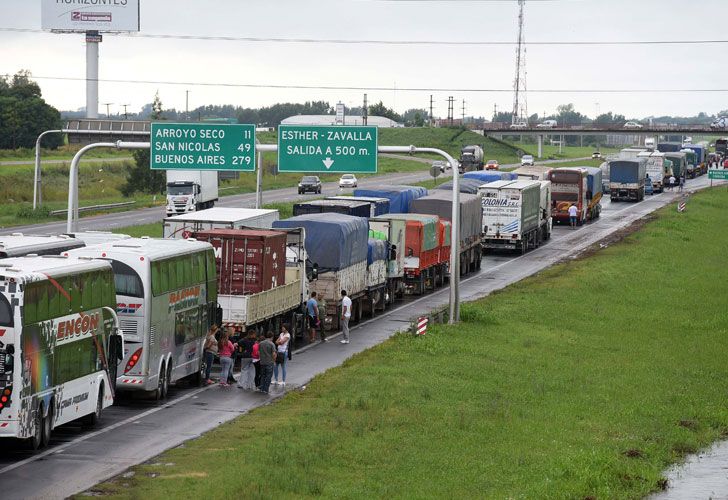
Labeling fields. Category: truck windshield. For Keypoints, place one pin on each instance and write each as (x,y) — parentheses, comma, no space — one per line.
(565,177)
(179,190)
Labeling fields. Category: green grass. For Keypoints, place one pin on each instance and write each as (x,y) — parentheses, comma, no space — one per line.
(586,380)
(62,153)
(153,230)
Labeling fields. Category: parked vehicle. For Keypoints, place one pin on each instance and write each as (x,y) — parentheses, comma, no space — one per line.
(568,186)
(377,258)
(533,173)
(655,169)
(701,157)
(627,179)
(593,192)
(421,245)
(679,163)
(442,166)
(347,181)
(519,125)
(485,177)
(261,277)
(512,216)
(471,158)
(692,169)
(632,125)
(719,123)
(19,244)
(60,344)
(377,206)
(96,237)
(596,155)
(669,147)
(400,197)
(467,186)
(190,190)
(471,212)
(547,124)
(167,299)
(309,184)
(527,160)
(492,165)
(347,207)
(182,226)
(721,147)
(337,246)
(650,143)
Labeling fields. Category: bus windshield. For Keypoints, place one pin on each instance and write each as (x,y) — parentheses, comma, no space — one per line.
(127,280)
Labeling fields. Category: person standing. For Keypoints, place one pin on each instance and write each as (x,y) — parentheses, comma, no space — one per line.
(313,318)
(682,182)
(256,360)
(247,370)
(282,345)
(672,182)
(210,352)
(267,358)
(572,215)
(345,316)
(225,350)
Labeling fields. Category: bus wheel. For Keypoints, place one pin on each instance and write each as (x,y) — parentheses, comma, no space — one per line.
(95,417)
(161,391)
(46,432)
(198,377)
(36,440)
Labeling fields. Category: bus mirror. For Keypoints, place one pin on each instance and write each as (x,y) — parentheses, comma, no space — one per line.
(116,348)
(314,272)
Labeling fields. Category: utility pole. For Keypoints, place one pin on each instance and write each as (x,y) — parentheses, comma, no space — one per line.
(107,104)
(463,122)
(450,102)
(187,105)
(520,110)
(126,116)
(365,111)
(431,117)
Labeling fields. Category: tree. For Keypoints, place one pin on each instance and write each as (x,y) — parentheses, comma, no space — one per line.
(503,117)
(567,115)
(379,109)
(415,117)
(24,115)
(141,178)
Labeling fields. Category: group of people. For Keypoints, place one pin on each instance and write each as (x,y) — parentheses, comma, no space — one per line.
(671,183)
(263,358)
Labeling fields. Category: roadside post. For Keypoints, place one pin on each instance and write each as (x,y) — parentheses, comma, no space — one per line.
(37,191)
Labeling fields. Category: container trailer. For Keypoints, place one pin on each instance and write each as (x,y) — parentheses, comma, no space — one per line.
(627,179)
(569,187)
(346,207)
(181,226)
(378,206)
(513,216)
(400,197)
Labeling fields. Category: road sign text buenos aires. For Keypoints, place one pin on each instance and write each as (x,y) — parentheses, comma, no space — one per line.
(323,149)
(202,146)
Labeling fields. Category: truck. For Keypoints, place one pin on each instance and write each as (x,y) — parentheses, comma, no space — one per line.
(190,190)
(679,163)
(627,179)
(337,246)
(593,192)
(471,212)
(701,157)
(262,279)
(490,176)
(721,147)
(569,187)
(471,158)
(650,143)
(377,256)
(379,206)
(669,147)
(691,159)
(420,255)
(347,207)
(400,197)
(655,169)
(467,186)
(513,217)
(182,226)
(535,173)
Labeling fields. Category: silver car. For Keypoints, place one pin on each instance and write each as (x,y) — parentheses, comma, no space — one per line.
(347,181)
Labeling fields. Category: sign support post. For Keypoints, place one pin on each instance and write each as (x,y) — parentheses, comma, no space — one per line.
(92,74)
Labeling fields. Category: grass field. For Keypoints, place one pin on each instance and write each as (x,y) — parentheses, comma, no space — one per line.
(584,381)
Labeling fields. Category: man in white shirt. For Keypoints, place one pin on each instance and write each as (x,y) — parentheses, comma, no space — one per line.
(345,315)
(672,182)
(572,215)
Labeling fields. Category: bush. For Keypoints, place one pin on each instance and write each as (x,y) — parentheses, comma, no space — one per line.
(27,212)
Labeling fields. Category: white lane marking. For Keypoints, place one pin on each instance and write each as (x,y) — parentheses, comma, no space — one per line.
(130,420)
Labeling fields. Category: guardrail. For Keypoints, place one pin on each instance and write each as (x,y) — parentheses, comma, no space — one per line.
(95,207)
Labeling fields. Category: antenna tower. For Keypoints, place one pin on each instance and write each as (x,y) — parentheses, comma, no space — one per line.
(520,106)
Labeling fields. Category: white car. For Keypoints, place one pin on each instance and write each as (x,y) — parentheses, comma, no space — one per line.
(519,125)
(527,160)
(547,124)
(632,125)
(347,181)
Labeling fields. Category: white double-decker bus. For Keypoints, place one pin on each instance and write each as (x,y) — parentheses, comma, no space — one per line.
(167,300)
(59,344)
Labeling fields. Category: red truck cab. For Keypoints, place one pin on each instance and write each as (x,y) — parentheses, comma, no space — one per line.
(568,186)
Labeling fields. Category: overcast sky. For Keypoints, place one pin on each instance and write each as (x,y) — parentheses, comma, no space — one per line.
(471,67)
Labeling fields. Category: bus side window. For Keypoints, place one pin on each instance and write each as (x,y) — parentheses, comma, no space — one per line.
(187,263)
(41,311)
(199,267)
(85,283)
(109,291)
(30,304)
(180,264)
(63,301)
(171,266)
(75,292)
(54,305)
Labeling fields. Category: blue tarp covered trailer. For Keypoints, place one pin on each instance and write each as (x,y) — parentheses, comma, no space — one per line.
(379,206)
(400,197)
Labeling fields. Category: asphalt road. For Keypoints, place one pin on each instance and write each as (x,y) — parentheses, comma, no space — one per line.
(134,431)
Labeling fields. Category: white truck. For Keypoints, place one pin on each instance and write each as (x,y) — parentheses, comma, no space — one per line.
(181,226)
(513,218)
(190,190)
(655,168)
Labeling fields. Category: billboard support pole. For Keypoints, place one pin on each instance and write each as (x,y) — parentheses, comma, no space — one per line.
(92,74)
(259,179)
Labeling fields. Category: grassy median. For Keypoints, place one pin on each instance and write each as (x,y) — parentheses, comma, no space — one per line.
(586,380)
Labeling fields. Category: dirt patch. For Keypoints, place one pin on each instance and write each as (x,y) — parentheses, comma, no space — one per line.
(633,453)
(689,424)
(662,484)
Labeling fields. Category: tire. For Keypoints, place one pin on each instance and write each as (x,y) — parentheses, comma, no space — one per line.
(47,424)
(36,440)
(198,378)
(161,391)
(94,418)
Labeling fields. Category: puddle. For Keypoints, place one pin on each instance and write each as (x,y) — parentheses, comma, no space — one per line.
(702,476)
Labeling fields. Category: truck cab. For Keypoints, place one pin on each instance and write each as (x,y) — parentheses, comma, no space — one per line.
(190,191)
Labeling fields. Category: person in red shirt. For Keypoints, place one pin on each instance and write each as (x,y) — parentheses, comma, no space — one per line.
(225,350)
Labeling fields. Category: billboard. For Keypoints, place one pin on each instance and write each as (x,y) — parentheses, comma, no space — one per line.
(89,15)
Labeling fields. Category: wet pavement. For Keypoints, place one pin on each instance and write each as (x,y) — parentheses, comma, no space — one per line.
(703,476)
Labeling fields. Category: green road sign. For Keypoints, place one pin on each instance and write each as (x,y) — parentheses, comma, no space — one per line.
(718,174)
(324,149)
(202,146)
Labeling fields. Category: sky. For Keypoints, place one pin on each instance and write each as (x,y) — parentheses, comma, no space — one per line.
(481,75)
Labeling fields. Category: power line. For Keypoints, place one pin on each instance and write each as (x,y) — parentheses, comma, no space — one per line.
(379,88)
(341,41)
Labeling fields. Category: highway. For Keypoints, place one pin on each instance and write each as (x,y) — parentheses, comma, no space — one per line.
(111,221)
(134,431)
